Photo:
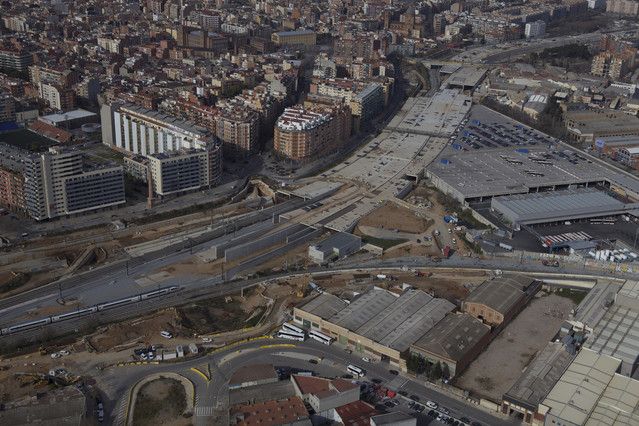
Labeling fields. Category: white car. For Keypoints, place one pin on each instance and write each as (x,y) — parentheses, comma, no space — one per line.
(366,359)
(55,355)
(143,356)
(166,334)
(431,404)
(207,339)
(64,352)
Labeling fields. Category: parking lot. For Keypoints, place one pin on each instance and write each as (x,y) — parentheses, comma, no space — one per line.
(487,129)
(425,411)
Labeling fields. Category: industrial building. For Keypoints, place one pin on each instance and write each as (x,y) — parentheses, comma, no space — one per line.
(591,392)
(337,245)
(588,125)
(70,119)
(378,323)
(475,176)
(497,301)
(445,343)
(615,333)
(557,206)
(532,387)
(466,78)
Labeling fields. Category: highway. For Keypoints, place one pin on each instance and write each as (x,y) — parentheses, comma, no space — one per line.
(212,395)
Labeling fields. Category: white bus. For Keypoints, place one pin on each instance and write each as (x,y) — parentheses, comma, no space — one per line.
(291,327)
(355,370)
(323,338)
(290,336)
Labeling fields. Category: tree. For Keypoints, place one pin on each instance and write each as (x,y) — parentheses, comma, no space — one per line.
(445,372)
(436,371)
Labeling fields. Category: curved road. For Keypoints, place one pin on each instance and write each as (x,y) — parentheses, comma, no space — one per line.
(212,396)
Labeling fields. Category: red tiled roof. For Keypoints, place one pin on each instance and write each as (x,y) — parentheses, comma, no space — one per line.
(356,413)
(312,385)
(270,413)
(51,132)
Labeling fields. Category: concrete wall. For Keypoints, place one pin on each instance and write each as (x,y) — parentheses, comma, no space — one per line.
(277,237)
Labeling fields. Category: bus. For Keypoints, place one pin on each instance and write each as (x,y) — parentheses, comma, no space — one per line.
(291,327)
(323,338)
(290,336)
(356,371)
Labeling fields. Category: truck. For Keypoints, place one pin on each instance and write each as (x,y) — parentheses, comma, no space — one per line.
(553,263)
(446,252)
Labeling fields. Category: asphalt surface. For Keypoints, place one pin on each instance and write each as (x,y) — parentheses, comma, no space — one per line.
(212,395)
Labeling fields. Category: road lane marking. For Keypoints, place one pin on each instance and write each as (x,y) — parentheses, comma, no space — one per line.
(201,374)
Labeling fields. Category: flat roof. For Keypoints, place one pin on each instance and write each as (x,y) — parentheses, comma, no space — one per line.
(543,207)
(506,171)
(616,334)
(454,336)
(501,293)
(466,77)
(619,404)
(337,240)
(540,376)
(69,115)
(438,115)
(166,119)
(593,307)
(576,393)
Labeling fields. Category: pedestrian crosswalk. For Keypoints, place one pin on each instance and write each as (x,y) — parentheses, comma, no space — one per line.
(566,237)
(119,419)
(204,411)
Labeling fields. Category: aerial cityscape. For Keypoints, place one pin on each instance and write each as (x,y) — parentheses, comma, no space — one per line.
(324,212)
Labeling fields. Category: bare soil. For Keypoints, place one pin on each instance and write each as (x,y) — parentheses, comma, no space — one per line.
(161,402)
(393,216)
(495,370)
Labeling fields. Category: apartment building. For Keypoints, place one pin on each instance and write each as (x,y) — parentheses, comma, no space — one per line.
(12,190)
(15,58)
(57,96)
(238,128)
(609,64)
(623,7)
(7,108)
(299,37)
(137,130)
(303,135)
(185,170)
(56,183)
(365,100)
(535,29)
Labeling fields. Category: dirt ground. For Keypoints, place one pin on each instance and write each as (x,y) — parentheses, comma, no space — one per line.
(497,368)
(393,216)
(161,402)
(411,249)
(145,330)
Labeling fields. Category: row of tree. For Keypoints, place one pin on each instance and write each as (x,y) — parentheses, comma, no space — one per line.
(433,371)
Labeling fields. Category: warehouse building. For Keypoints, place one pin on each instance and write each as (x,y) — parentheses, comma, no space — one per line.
(590,392)
(558,206)
(497,301)
(532,387)
(455,341)
(466,78)
(616,333)
(337,245)
(378,323)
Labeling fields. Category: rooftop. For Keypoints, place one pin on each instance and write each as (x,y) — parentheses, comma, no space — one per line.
(540,376)
(69,115)
(252,373)
(501,293)
(591,393)
(166,120)
(298,119)
(382,316)
(506,171)
(545,207)
(453,337)
(466,77)
(270,413)
(356,413)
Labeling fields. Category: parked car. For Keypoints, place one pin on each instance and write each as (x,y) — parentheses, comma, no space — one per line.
(166,334)
(393,372)
(366,359)
(431,404)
